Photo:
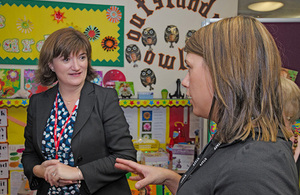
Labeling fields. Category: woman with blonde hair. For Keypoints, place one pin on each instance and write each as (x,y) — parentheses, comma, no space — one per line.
(291,112)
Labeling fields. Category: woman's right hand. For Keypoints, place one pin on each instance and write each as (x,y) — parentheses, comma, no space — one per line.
(146,175)
(45,171)
(39,170)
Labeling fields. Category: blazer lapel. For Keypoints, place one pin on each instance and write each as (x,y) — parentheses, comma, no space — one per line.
(44,106)
(86,104)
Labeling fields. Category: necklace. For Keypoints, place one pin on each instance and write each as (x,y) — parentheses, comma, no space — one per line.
(295,142)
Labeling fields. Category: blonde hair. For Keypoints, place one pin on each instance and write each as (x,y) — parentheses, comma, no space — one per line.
(291,99)
(245,65)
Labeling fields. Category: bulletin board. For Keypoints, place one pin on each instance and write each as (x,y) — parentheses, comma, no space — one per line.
(25,25)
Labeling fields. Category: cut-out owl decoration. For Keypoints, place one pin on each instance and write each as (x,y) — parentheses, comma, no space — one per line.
(133,54)
(149,37)
(189,34)
(148,78)
(171,35)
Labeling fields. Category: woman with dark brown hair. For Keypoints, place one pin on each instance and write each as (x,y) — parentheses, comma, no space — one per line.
(76,129)
(234,80)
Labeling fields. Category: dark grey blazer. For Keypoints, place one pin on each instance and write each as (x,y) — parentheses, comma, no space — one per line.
(100,135)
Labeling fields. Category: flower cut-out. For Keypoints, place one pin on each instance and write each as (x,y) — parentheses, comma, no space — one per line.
(113,14)
(58,16)
(109,43)
(25,26)
(93,33)
(12,75)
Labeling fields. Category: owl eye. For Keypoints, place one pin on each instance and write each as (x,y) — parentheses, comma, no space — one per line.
(143,73)
(169,29)
(151,32)
(189,33)
(145,32)
(128,49)
(149,71)
(134,48)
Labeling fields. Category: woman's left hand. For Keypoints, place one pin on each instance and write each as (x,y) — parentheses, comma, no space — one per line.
(59,174)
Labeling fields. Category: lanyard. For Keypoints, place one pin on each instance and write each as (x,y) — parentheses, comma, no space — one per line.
(197,163)
(57,140)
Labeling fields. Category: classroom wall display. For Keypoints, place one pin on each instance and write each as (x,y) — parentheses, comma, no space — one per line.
(143,29)
(9,82)
(124,89)
(158,31)
(99,79)
(25,25)
(29,83)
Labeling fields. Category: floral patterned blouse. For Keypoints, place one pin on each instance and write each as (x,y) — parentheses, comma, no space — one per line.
(65,154)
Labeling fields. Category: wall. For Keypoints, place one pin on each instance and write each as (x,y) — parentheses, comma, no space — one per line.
(162,15)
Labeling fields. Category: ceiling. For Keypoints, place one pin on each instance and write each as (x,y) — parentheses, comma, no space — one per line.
(291,9)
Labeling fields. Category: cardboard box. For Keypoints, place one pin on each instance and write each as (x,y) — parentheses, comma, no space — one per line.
(183,156)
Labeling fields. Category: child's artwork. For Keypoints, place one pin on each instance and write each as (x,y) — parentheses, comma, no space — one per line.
(9,82)
(99,79)
(124,89)
(30,85)
(23,36)
(15,155)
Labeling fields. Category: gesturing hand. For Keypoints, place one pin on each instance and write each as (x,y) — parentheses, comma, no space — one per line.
(145,175)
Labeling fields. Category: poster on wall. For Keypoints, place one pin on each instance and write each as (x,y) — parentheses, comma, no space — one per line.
(25,25)
(153,123)
(10,82)
(155,35)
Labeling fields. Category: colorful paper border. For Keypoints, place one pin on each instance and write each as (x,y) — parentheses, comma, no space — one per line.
(117,63)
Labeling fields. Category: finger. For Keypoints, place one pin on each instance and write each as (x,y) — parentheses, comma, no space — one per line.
(135,178)
(124,167)
(66,182)
(125,162)
(50,162)
(52,179)
(142,183)
(129,165)
(49,173)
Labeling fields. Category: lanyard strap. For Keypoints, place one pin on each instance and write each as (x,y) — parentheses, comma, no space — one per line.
(199,162)
(57,140)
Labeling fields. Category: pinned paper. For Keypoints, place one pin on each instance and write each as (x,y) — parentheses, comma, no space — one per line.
(3,117)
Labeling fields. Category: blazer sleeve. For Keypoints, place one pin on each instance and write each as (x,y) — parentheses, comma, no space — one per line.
(30,157)
(101,172)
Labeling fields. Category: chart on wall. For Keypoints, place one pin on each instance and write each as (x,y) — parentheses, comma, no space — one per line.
(25,25)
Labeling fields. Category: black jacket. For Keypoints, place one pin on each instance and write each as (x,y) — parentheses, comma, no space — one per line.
(100,135)
(247,167)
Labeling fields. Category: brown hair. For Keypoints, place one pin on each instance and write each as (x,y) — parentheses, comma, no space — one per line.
(245,64)
(291,99)
(62,42)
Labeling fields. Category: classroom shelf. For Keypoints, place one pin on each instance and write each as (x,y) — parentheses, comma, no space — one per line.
(14,102)
(122,102)
(154,102)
